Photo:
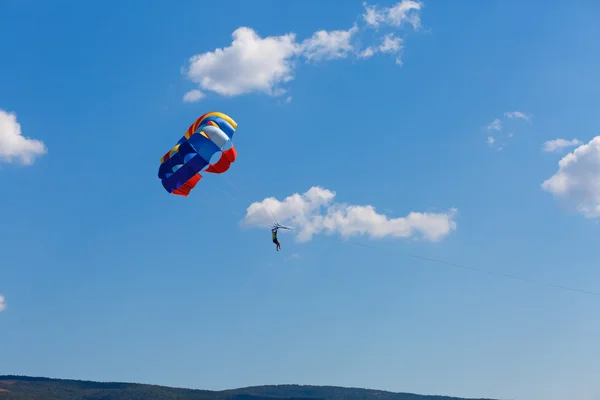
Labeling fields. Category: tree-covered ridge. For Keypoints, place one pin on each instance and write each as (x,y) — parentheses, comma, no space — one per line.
(33,388)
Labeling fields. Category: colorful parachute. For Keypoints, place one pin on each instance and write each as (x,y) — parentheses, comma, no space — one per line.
(179,168)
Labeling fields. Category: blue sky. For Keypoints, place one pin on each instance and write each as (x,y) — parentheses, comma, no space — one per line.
(106,276)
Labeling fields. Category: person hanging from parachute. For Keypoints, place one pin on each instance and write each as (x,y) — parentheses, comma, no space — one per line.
(275,240)
(274,230)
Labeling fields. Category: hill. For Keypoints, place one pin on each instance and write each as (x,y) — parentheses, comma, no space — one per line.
(31,388)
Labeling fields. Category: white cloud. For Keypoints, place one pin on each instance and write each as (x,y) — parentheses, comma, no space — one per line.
(262,64)
(250,64)
(490,140)
(368,52)
(517,114)
(495,125)
(577,181)
(390,45)
(559,144)
(15,146)
(315,212)
(324,45)
(406,11)
(193,96)
(2,303)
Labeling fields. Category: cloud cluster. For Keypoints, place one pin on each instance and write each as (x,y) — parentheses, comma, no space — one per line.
(2,303)
(495,128)
(556,145)
(261,64)
(577,181)
(13,145)
(315,212)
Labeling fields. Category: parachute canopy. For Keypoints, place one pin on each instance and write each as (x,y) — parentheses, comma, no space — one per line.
(211,133)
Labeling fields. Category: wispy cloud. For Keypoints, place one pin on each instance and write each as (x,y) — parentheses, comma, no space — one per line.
(262,64)
(315,212)
(390,45)
(576,181)
(2,303)
(517,114)
(559,144)
(404,12)
(13,145)
(193,96)
(497,126)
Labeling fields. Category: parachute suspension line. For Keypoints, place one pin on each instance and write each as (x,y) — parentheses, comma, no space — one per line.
(486,271)
(234,198)
(212,205)
(231,197)
(248,199)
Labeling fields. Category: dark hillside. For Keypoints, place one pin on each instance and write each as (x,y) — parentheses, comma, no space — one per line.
(30,388)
